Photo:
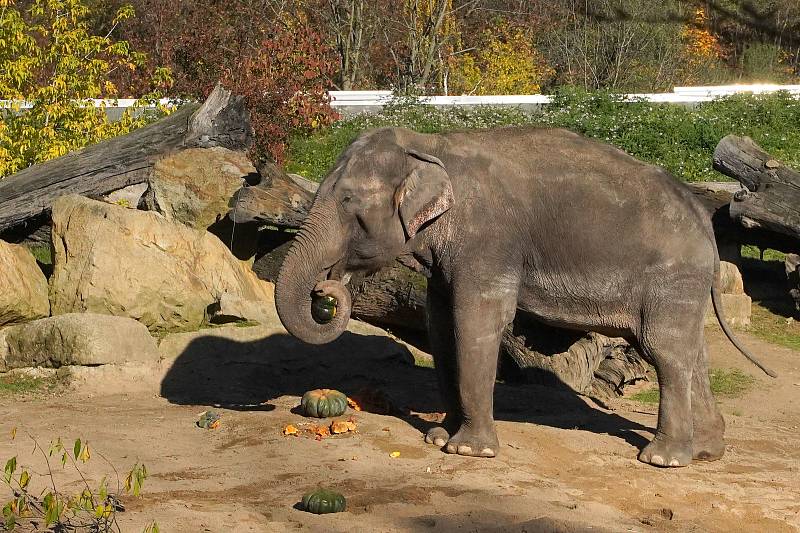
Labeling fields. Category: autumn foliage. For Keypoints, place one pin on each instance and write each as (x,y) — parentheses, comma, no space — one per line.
(285,83)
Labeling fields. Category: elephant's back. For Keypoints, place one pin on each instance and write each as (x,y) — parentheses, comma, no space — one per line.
(587,198)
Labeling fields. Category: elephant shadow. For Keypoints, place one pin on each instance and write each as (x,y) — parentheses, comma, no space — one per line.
(221,372)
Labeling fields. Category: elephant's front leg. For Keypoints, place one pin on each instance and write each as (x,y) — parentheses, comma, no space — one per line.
(442,342)
(479,318)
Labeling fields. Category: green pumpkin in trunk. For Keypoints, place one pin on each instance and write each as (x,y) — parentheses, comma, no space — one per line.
(323,403)
(323,309)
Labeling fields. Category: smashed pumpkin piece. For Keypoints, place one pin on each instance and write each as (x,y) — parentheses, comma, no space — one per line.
(342,426)
(338,427)
(353,404)
(290,430)
(320,432)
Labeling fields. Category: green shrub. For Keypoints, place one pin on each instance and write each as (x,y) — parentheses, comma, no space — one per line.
(679,138)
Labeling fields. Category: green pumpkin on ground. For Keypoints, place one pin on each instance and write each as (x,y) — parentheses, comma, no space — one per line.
(323,403)
(323,308)
(323,501)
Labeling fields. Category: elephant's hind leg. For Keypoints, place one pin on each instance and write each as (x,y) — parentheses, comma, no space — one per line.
(708,443)
(672,339)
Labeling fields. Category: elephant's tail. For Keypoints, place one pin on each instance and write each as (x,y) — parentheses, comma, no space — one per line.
(721,317)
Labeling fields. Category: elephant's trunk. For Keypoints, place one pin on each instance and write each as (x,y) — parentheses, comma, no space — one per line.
(317,247)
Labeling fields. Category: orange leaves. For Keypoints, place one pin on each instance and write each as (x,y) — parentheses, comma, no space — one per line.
(701,44)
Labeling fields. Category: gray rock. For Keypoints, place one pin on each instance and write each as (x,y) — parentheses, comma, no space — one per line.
(137,264)
(76,339)
(195,186)
(130,196)
(23,287)
(232,308)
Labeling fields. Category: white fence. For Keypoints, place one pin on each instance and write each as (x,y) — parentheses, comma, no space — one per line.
(352,102)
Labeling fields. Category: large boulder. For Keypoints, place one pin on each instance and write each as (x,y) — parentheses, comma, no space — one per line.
(138,264)
(23,287)
(76,339)
(195,186)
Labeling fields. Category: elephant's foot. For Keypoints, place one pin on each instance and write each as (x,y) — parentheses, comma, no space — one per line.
(666,452)
(708,446)
(473,443)
(437,436)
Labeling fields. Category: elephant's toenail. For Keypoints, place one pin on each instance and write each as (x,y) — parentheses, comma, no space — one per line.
(674,462)
(657,460)
(439,442)
(487,452)
(451,448)
(464,450)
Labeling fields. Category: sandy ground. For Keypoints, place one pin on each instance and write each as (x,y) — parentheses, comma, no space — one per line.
(564,464)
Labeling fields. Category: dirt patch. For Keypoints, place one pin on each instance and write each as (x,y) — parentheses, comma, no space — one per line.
(564,464)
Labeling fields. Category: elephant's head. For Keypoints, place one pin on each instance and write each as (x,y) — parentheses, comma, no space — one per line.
(377,197)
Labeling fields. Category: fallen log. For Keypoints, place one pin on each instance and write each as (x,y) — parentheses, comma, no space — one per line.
(771,198)
(729,233)
(221,121)
(589,363)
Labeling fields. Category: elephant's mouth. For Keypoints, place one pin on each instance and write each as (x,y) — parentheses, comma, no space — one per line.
(337,272)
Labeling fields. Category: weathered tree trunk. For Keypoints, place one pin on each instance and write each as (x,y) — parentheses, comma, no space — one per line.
(222,120)
(277,199)
(771,200)
(729,234)
(589,363)
(394,297)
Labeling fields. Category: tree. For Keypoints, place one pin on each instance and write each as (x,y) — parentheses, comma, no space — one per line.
(50,60)
(505,62)
(265,50)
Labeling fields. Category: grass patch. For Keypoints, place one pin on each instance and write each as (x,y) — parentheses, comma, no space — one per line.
(773,328)
(753,252)
(43,253)
(14,384)
(730,383)
(724,383)
(646,396)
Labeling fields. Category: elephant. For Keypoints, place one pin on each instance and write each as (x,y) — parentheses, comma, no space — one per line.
(575,232)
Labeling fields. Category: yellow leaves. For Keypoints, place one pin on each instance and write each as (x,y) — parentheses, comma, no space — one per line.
(59,49)
(24,479)
(505,63)
(289,430)
(394,455)
(103,511)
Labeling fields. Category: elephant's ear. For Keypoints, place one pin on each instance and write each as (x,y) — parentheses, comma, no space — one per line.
(425,194)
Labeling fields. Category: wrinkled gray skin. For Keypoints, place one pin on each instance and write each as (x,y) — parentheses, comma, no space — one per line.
(575,232)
